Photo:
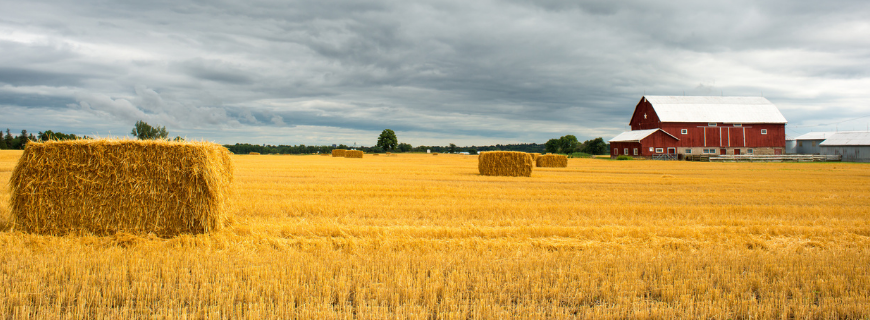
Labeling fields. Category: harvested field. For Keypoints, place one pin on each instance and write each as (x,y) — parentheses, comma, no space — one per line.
(552,161)
(418,236)
(109,186)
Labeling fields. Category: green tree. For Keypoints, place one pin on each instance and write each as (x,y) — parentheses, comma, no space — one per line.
(595,146)
(388,140)
(9,139)
(472,151)
(404,147)
(143,131)
(21,141)
(452,148)
(2,141)
(568,144)
(552,146)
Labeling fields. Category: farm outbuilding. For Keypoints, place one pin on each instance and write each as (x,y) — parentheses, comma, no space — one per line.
(809,143)
(852,146)
(702,125)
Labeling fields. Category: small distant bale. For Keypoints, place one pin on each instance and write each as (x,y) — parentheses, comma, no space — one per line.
(353,154)
(435,153)
(505,163)
(375,154)
(338,152)
(104,187)
(254,153)
(552,161)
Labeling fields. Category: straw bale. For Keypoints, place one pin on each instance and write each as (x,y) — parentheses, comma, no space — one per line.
(254,153)
(338,152)
(505,163)
(353,154)
(109,186)
(552,161)
(535,155)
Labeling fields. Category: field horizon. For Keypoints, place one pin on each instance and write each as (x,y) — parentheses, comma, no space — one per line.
(417,236)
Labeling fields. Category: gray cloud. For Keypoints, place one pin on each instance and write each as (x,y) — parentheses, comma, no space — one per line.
(440,71)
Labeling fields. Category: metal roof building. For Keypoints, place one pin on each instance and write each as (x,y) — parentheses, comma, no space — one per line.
(809,143)
(852,146)
(742,110)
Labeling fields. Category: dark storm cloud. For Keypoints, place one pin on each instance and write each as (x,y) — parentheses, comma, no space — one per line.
(479,72)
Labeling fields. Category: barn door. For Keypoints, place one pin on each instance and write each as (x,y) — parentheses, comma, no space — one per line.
(736,152)
(723,151)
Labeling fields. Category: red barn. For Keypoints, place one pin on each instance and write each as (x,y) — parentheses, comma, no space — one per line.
(680,125)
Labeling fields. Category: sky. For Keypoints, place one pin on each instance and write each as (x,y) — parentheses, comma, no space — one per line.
(436,72)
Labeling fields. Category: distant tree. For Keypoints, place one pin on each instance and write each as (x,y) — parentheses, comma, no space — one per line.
(143,131)
(49,135)
(404,147)
(451,148)
(177,138)
(21,142)
(9,139)
(568,144)
(472,151)
(2,141)
(595,146)
(342,146)
(552,146)
(388,140)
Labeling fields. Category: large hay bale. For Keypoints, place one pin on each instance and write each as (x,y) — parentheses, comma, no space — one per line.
(338,152)
(552,161)
(353,154)
(505,163)
(109,186)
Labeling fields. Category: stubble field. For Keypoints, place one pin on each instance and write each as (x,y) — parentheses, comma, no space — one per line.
(426,237)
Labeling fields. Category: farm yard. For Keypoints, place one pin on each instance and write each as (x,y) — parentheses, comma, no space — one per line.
(413,236)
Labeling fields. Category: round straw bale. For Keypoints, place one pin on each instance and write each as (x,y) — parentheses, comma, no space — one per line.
(505,163)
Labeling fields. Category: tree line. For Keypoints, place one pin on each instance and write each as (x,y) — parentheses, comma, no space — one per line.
(13,142)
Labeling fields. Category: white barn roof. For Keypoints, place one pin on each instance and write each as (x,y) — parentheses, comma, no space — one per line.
(848,139)
(636,135)
(815,136)
(715,109)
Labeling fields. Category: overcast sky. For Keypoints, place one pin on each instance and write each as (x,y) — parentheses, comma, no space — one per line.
(466,72)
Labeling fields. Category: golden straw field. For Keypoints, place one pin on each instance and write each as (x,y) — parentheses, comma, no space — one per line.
(412,236)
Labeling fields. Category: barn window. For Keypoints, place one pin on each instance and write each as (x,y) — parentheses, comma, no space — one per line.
(763,131)
(615,151)
(684,131)
(660,150)
(635,151)
(650,149)
(711,124)
(738,124)
(800,143)
(709,150)
(814,143)
(625,151)
(688,151)
(748,150)
(644,115)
